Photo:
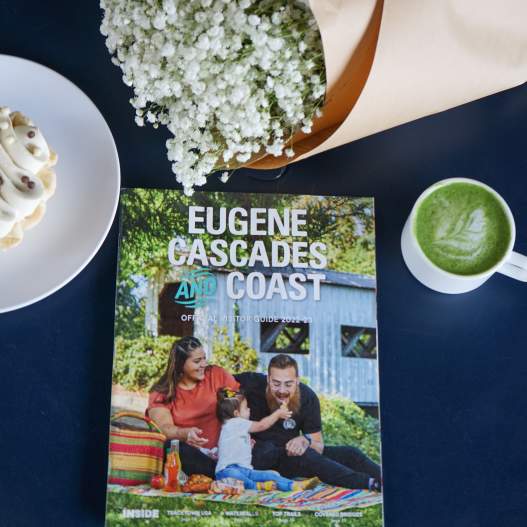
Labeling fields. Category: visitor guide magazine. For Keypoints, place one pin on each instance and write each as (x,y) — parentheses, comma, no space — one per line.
(245,375)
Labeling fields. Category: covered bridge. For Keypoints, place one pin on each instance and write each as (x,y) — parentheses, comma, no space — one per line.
(333,339)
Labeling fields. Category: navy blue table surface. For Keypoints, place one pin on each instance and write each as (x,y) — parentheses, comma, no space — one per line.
(453,368)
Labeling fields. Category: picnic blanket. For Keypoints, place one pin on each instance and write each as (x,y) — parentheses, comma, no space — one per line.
(323,498)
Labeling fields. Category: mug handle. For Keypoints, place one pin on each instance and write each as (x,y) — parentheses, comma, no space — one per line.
(515,267)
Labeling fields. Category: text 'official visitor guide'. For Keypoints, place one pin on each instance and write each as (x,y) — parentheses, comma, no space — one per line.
(245,377)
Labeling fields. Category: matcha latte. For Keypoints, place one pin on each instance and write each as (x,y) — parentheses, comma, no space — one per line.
(462,228)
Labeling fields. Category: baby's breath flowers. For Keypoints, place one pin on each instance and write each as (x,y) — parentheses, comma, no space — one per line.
(233,80)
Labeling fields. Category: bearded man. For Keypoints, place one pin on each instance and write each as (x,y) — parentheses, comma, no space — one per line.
(295,447)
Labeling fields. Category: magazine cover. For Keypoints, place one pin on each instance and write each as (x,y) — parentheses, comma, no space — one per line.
(245,376)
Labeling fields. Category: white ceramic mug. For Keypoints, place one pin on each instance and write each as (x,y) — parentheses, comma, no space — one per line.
(511,264)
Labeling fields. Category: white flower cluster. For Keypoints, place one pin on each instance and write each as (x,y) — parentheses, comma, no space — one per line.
(233,80)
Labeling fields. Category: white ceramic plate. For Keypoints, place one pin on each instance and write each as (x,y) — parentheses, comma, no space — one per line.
(80,214)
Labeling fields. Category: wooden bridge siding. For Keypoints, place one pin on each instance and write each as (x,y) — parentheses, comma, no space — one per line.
(221,306)
(328,372)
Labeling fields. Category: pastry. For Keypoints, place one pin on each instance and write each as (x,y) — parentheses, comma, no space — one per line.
(27,178)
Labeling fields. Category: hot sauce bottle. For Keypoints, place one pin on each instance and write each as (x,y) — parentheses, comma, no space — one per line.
(173,468)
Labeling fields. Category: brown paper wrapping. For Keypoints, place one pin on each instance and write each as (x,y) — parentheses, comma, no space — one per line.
(389,62)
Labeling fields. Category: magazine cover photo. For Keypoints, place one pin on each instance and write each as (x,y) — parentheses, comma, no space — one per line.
(245,373)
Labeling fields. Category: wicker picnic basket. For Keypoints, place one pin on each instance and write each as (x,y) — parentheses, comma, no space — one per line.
(135,454)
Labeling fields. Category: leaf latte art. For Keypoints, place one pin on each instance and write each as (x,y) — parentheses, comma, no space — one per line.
(462,228)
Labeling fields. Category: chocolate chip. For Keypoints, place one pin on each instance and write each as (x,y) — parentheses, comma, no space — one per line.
(1,180)
(24,179)
(31,134)
(31,184)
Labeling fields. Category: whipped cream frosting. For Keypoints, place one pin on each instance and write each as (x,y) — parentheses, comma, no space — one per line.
(26,181)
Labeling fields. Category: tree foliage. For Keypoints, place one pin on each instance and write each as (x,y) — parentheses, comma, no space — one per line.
(140,362)
(345,423)
(129,311)
(234,355)
(347,227)
(151,218)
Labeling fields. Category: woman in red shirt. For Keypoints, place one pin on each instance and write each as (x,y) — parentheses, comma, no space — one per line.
(183,403)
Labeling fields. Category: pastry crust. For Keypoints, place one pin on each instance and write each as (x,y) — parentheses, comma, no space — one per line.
(30,221)
(15,236)
(49,180)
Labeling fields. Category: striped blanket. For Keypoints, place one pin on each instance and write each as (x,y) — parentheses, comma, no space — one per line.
(323,498)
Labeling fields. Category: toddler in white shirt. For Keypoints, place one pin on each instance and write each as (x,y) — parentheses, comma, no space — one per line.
(234,446)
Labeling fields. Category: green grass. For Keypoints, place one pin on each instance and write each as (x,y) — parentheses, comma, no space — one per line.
(261,516)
